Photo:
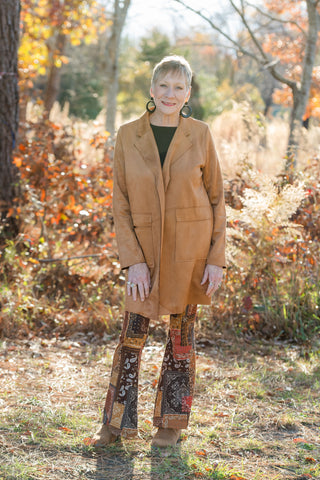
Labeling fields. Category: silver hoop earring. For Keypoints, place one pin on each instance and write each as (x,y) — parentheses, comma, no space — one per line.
(188,113)
(151,106)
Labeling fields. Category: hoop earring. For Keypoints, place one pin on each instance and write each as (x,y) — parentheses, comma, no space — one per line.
(188,113)
(151,106)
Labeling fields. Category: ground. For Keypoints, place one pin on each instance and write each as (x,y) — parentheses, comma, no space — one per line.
(256,412)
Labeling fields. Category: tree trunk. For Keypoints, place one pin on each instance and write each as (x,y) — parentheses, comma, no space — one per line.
(301,95)
(120,10)
(9,102)
(54,78)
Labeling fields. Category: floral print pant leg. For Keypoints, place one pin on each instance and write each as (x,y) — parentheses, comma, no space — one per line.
(177,377)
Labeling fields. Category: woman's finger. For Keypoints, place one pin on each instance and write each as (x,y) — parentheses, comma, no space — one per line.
(141,291)
(134,291)
(205,276)
(146,286)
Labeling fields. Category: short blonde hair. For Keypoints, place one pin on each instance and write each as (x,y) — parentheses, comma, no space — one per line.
(172,63)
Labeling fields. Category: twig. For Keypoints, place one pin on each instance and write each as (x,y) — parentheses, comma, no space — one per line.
(67,259)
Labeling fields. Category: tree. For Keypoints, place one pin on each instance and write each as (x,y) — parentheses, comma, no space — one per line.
(9,100)
(118,15)
(48,27)
(301,15)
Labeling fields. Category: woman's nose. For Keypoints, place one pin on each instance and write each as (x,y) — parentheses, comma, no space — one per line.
(170,92)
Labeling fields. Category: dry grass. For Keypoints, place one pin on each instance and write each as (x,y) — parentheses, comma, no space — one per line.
(241,133)
(255,416)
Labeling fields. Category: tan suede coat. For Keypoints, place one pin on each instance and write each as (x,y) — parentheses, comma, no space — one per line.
(172,218)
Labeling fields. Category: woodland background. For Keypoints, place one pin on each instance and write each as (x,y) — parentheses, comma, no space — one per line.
(257,84)
(70,74)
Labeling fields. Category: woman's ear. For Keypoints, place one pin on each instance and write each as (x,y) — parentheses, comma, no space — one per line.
(151,93)
(188,95)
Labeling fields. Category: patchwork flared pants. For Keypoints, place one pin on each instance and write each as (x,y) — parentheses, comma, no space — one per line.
(176,382)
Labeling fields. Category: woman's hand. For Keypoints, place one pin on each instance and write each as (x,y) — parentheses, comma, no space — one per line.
(138,280)
(213,275)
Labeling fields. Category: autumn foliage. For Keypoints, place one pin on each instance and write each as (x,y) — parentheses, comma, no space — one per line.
(289,46)
(62,273)
(65,252)
(43,20)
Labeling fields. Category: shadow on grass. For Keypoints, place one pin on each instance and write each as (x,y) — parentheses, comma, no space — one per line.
(113,463)
(169,464)
(120,463)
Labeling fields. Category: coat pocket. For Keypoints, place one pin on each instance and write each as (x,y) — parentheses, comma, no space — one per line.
(142,224)
(193,233)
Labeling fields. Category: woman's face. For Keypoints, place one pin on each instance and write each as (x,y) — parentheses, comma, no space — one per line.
(170,92)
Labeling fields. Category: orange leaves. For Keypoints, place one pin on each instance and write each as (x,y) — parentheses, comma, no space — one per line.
(65,429)
(88,441)
(310,460)
(74,203)
(201,453)
(17,161)
(299,440)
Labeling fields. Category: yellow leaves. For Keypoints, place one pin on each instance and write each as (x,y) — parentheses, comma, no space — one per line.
(75,41)
(58,63)
(33,260)
(43,20)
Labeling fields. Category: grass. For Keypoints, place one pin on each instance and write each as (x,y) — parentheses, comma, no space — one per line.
(256,413)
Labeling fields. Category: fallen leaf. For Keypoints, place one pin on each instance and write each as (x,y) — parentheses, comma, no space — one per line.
(88,441)
(65,429)
(299,440)
(310,460)
(201,452)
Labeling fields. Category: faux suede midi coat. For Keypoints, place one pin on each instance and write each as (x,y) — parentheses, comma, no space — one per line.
(173,218)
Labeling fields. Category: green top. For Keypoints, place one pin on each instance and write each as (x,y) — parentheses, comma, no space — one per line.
(163,137)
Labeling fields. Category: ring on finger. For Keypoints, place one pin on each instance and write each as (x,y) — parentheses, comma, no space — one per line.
(133,284)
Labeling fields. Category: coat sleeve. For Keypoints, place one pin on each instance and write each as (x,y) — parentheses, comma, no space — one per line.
(129,248)
(213,182)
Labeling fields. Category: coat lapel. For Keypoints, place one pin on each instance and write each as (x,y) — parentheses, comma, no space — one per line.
(146,145)
(181,142)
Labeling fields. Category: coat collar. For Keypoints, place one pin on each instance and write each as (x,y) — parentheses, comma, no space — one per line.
(147,146)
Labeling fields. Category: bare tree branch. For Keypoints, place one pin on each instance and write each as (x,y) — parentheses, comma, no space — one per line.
(277,19)
(262,59)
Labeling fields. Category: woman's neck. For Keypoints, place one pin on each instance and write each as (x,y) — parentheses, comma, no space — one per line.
(160,120)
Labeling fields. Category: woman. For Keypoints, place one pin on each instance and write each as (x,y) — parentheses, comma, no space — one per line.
(169,216)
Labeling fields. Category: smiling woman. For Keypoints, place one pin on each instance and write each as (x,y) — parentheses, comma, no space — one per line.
(169,216)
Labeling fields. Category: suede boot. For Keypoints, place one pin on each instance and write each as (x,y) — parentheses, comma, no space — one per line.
(166,437)
(103,437)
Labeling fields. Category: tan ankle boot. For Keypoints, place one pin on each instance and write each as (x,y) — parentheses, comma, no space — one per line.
(103,437)
(166,437)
